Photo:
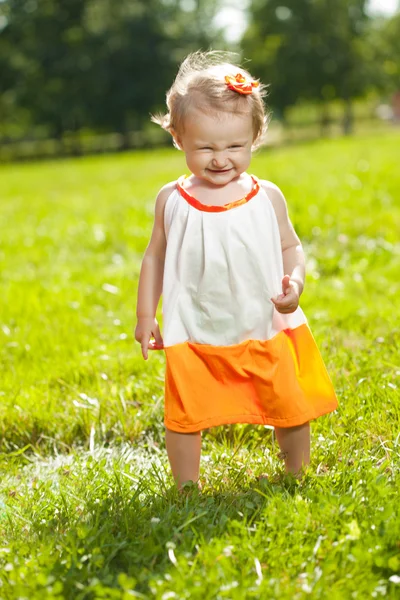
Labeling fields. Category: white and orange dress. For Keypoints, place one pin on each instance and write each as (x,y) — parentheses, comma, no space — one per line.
(231,357)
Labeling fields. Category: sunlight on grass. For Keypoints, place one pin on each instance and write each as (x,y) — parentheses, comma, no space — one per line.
(87,506)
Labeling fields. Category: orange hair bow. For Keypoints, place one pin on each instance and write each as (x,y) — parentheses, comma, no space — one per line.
(240,84)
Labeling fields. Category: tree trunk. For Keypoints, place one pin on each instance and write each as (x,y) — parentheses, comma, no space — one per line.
(58,134)
(348,117)
(123,130)
(324,121)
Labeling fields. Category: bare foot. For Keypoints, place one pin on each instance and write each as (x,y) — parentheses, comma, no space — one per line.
(190,486)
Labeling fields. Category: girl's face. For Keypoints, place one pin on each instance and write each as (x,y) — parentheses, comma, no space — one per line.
(217,147)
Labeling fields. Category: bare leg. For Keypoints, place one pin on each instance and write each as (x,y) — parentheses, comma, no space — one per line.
(184,451)
(294,443)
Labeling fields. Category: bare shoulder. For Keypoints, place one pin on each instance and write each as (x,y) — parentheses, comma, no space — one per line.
(165,192)
(288,235)
(274,194)
(157,241)
(269,186)
(162,198)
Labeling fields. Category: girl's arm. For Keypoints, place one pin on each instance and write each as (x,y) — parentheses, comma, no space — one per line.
(292,253)
(151,280)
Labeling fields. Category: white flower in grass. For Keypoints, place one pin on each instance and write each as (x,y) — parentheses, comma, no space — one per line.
(111,289)
(227,551)
(171,554)
(229,586)
(117,259)
(380,590)
(258,571)
(90,402)
(98,233)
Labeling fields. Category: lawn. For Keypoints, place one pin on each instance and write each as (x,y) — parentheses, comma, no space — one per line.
(87,504)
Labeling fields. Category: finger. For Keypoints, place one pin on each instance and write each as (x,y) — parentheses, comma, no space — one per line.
(144,345)
(158,337)
(287,305)
(286,310)
(287,301)
(285,283)
(277,298)
(284,300)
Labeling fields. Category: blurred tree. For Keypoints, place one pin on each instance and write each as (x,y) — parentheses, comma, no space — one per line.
(384,47)
(45,42)
(8,76)
(309,49)
(97,63)
(137,48)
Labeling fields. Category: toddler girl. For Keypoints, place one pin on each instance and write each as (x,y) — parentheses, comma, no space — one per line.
(225,257)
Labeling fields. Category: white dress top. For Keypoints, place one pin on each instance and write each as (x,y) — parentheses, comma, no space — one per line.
(222,266)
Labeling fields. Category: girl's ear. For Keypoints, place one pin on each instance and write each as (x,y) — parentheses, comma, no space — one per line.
(177,139)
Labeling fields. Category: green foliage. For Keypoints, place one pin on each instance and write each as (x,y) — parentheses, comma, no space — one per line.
(308,49)
(96,63)
(87,506)
(384,44)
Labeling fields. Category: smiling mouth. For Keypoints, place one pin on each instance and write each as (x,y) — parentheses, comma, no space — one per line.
(219,170)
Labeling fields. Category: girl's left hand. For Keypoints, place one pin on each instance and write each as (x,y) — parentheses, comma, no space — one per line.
(288,301)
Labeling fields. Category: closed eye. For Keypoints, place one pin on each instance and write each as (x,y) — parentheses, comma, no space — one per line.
(205,148)
(235,146)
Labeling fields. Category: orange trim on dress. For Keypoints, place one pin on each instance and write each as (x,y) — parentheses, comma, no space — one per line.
(212,208)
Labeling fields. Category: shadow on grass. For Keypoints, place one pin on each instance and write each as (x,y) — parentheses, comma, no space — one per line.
(135,536)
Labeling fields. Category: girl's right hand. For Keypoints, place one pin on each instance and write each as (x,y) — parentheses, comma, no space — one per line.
(147,333)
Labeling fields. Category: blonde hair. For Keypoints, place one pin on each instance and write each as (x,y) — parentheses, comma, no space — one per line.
(200,83)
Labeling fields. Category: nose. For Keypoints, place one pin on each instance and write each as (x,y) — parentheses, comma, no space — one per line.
(219,160)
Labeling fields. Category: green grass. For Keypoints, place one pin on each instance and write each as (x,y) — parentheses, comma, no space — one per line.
(87,506)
